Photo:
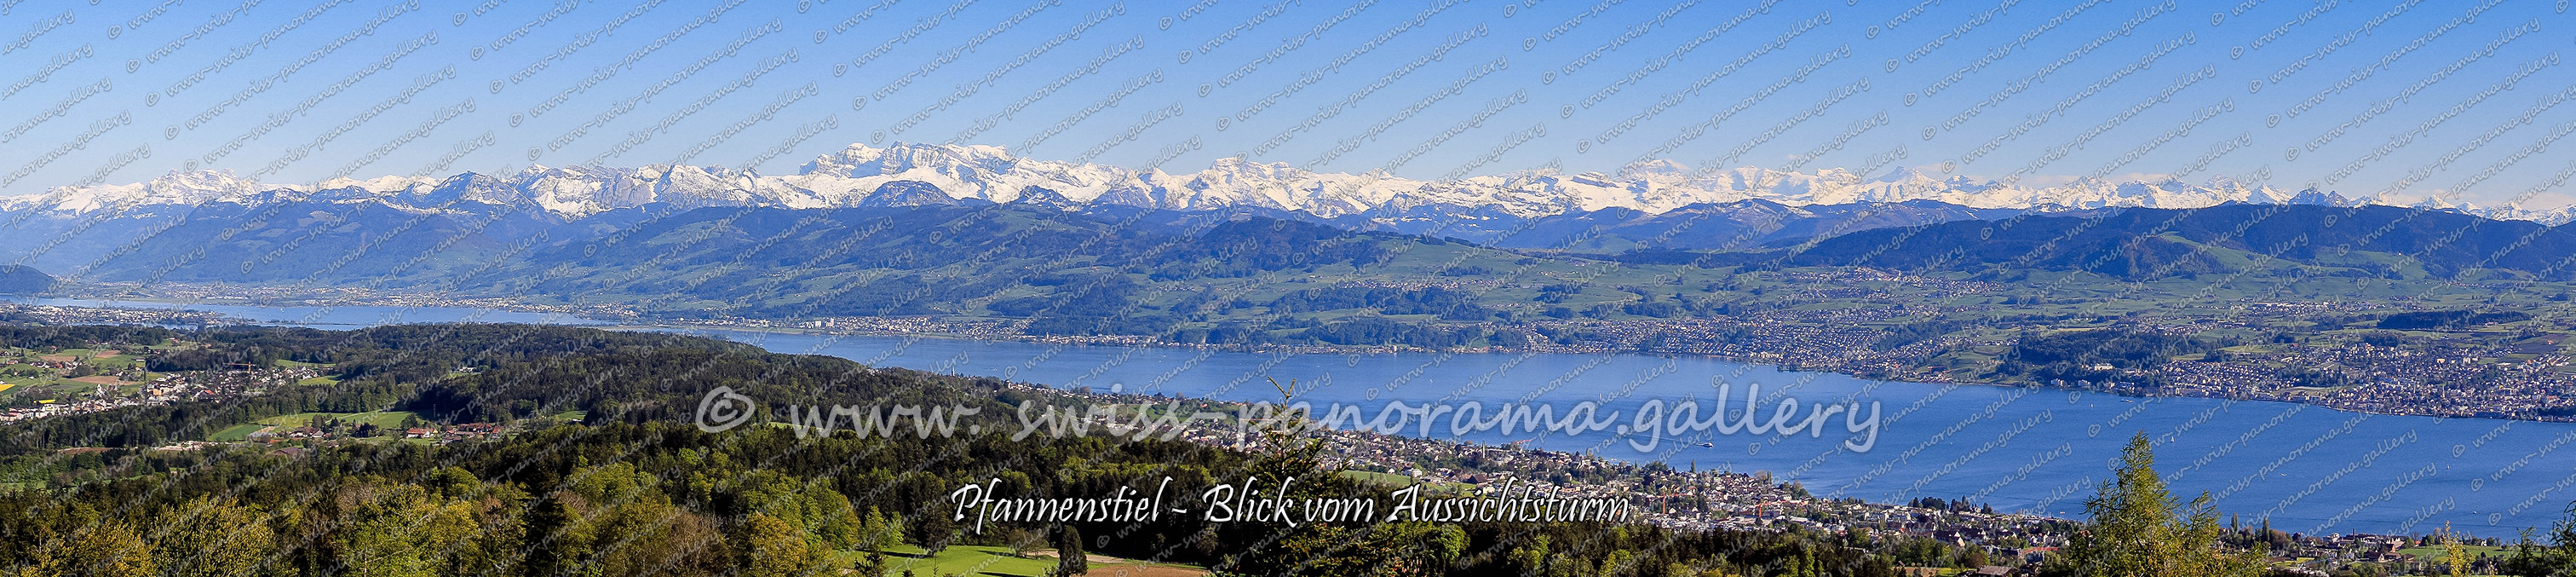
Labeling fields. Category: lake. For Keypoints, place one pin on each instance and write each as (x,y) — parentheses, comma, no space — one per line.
(2308,469)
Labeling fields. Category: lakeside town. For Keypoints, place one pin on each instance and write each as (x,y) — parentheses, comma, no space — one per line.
(2434,376)
(1939,533)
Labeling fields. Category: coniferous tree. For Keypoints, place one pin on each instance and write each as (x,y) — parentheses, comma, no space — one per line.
(557,543)
(1069,559)
(930,532)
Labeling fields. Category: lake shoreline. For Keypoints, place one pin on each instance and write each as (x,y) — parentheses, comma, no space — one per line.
(628,322)
(1151,342)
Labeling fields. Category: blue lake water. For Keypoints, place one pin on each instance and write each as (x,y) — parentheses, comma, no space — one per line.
(2308,469)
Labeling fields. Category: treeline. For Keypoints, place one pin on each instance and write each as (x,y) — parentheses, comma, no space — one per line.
(1446,304)
(1648,304)
(74,337)
(1107,304)
(1242,248)
(2102,355)
(2423,320)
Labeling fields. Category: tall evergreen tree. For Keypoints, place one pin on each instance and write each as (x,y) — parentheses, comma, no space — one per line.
(1069,559)
(557,541)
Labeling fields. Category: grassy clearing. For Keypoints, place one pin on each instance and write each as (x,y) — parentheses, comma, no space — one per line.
(960,560)
(236,432)
(381,419)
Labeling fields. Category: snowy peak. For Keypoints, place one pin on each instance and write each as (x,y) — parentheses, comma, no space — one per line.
(910,174)
(174,188)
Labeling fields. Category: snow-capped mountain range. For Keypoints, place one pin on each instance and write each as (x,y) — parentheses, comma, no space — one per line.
(861,175)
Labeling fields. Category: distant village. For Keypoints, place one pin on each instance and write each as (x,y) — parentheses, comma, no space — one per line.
(42,384)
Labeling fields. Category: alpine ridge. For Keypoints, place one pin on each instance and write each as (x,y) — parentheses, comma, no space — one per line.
(917,173)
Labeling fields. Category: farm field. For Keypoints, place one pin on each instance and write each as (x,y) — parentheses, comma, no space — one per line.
(236,432)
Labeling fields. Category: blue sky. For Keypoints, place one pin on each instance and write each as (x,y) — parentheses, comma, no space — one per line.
(2449,98)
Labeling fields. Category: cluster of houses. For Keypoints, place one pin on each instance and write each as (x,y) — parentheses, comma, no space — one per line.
(455,432)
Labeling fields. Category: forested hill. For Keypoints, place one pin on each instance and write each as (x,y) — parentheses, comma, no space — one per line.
(945,259)
(2144,244)
(788,263)
(466,373)
(636,488)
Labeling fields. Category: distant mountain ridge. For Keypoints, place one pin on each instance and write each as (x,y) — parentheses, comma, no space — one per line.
(860,175)
(2149,244)
(24,280)
(85,232)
